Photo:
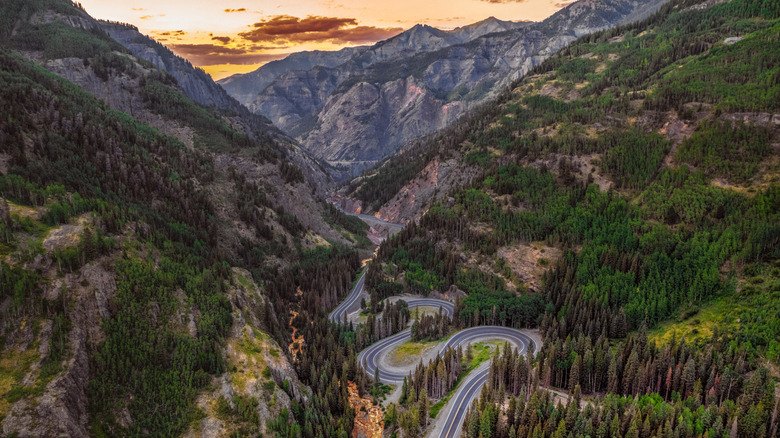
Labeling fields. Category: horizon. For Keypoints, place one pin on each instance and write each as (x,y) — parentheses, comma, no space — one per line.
(224,41)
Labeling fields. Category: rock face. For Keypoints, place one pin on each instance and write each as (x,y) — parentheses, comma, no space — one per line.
(356,107)
(432,184)
(198,86)
(62,409)
(369,420)
(256,372)
(195,82)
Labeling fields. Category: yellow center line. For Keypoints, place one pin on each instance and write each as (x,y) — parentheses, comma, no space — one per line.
(459,406)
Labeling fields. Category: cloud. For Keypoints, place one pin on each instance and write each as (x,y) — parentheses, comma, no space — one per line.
(564,4)
(231,11)
(294,30)
(222,39)
(146,17)
(503,1)
(171,33)
(211,54)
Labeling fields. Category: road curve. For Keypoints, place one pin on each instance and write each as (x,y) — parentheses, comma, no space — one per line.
(471,386)
(368,217)
(376,220)
(369,356)
(351,303)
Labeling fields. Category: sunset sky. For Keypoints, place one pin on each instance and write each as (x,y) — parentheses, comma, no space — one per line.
(238,36)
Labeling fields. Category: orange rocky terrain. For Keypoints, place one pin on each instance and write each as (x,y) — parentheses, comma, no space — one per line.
(369,420)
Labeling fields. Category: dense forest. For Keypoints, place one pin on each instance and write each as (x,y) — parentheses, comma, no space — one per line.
(681,225)
(645,230)
(150,221)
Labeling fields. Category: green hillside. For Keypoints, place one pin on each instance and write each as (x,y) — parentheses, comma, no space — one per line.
(120,243)
(646,156)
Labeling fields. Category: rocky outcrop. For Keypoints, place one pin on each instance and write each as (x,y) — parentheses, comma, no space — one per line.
(363,110)
(245,87)
(258,368)
(62,409)
(432,184)
(355,127)
(369,420)
(196,83)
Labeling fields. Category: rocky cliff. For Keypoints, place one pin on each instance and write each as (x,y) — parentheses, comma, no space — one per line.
(363,110)
(199,86)
(195,82)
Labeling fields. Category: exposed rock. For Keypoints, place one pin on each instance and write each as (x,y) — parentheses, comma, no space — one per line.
(255,361)
(530,261)
(369,420)
(61,410)
(356,108)
(65,235)
(433,183)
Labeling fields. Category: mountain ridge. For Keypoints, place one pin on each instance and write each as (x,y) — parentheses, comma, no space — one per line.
(447,77)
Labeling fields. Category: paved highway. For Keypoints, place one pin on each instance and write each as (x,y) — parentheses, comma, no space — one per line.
(376,220)
(459,404)
(471,387)
(370,356)
(351,303)
(373,219)
(452,416)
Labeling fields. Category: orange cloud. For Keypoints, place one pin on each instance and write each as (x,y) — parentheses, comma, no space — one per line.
(171,33)
(230,11)
(294,30)
(210,54)
(222,39)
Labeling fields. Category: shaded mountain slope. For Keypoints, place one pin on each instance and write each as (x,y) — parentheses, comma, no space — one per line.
(363,110)
(151,246)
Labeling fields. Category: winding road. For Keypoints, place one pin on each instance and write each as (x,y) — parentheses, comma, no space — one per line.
(351,303)
(452,417)
(375,220)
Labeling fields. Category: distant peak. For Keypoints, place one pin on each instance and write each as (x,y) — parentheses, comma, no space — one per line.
(421,26)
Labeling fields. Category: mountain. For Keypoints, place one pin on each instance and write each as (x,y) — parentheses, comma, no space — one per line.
(195,82)
(431,166)
(167,269)
(199,86)
(245,87)
(363,110)
(152,247)
(623,198)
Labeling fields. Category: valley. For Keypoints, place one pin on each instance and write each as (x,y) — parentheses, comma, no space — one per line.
(562,228)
